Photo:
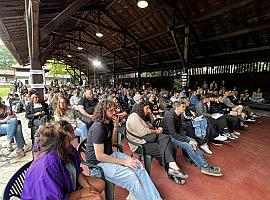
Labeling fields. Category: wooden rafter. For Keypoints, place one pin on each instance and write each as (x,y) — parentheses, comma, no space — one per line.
(61,17)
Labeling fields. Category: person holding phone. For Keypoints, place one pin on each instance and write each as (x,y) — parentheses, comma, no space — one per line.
(118,168)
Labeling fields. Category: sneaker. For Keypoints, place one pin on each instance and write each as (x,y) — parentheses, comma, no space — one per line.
(250,120)
(206,148)
(217,169)
(228,135)
(236,133)
(211,171)
(20,153)
(216,142)
(221,137)
(10,148)
(233,135)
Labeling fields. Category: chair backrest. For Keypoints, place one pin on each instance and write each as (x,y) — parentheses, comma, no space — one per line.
(82,149)
(157,122)
(15,184)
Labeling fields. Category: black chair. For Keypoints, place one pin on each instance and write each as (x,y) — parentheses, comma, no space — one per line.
(15,184)
(109,187)
(140,152)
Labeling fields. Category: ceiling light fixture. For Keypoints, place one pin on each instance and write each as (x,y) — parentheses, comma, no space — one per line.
(96,63)
(69,55)
(80,46)
(99,33)
(142,3)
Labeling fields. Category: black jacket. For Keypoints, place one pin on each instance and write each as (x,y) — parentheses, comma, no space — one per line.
(172,125)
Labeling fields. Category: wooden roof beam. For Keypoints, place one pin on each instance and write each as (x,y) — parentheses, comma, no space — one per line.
(262,48)
(96,23)
(61,17)
(116,21)
(106,47)
(237,33)
(71,38)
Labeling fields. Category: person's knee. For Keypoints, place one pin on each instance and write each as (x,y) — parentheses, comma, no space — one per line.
(13,121)
(98,184)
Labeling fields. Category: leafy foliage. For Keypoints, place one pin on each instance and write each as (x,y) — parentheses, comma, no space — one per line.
(6,58)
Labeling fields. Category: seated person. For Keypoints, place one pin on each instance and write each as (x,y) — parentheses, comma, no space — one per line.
(218,107)
(63,112)
(56,172)
(37,111)
(153,141)
(257,96)
(75,99)
(154,106)
(236,108)
(194,100)
(15,102)
(118,168)
(171,124)
(9,126)
(86,107)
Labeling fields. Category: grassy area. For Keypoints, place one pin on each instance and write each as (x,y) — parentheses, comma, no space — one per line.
(4,91)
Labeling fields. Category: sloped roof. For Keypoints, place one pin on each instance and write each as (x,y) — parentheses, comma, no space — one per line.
(220,32)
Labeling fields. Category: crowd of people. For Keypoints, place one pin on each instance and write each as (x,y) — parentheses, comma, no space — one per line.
(187,118)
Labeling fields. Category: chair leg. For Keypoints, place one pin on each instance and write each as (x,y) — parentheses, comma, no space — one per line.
(109,191)
(147,163)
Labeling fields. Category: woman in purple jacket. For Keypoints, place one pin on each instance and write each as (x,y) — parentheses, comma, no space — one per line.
(56,172)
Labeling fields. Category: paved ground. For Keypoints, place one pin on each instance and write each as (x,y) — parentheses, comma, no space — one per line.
(9,164)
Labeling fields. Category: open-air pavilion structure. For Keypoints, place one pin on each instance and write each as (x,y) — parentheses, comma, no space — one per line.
(194,37)
(189,38)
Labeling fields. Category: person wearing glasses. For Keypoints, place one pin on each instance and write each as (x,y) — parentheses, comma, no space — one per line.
(56,172)
(118,168)
(37,111)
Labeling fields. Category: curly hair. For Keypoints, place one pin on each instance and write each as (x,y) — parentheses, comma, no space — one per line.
(139,110)
(100,110)
(58,110)
(52,137)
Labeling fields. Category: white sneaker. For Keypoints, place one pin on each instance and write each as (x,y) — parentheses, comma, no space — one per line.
(236,133)
(206,148)
(235,136)
(221,138)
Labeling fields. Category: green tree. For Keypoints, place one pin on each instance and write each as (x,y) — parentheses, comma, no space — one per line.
(57,68)
(6,58)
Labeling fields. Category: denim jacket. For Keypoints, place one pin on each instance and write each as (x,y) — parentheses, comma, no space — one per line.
(200,125)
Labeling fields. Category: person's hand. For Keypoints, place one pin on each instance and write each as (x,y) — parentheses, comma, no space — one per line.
(115,121)
(90,193)
(37,113)
(42,113)
(159,130)
(131,163)
(194,144)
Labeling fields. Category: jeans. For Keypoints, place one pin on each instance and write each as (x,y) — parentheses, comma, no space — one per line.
(12,129)
(81,130)
(136,181)
(195,155)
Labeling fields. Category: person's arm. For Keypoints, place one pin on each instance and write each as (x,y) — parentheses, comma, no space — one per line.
(83,112)
(200,111)
(28,112)
(102,157)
